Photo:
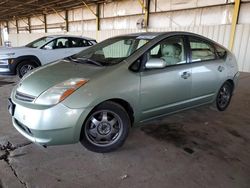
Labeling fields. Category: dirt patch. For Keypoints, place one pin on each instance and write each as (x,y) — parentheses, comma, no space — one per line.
(190,141)
(173,133)
(176,134)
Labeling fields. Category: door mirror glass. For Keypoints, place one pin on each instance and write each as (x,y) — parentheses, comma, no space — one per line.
(155,63)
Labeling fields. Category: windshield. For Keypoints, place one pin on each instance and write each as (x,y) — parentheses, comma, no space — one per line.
(113,50)
(39,42)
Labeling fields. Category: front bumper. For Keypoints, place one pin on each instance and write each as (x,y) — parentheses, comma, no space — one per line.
(8,69)
(52,126)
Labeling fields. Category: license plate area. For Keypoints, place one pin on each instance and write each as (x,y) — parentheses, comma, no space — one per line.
(11,107)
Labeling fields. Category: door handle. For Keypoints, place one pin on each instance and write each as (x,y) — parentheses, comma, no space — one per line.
(185,75)
(220,68)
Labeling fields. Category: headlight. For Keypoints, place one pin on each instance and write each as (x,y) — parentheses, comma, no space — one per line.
(4,61)
(6,56)
(60,91)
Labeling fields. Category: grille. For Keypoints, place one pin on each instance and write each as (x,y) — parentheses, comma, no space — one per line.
(24,97)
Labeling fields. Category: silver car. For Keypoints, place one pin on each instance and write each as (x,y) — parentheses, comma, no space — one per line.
(95,96)
(19,60)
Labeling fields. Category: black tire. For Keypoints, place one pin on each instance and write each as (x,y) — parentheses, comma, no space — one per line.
(106,128)
(24,67)
(224,96)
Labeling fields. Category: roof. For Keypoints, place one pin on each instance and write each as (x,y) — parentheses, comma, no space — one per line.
(155,34)
(13,9)
(151,35)
(83,37)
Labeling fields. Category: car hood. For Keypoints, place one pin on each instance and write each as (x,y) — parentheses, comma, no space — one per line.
(8,52)
(47,76)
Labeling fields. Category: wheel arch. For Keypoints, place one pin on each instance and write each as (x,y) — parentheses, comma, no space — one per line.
(230,81)
(31,58)
(126,105)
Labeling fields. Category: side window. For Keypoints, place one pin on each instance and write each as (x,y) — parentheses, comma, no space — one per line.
(155,50)
(119,49)
(141,43)
(50,45)
(61,43)
(87,43)
(201,50)
(170,50)
(77,43)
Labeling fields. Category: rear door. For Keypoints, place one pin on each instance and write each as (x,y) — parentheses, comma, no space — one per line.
(208,70)
(168,89)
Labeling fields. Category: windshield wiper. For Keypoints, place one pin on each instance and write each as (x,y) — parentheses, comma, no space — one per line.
(86,60)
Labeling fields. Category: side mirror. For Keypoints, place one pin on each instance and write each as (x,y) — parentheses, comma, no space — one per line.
(155,63)
(47,47)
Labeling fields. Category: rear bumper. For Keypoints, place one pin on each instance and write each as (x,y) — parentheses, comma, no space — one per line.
(236,78)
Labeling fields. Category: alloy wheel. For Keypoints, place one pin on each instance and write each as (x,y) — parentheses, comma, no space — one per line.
(224,96)
(25,68)
(103,128)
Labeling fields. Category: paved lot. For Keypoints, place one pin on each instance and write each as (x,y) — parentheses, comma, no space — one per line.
(196,148)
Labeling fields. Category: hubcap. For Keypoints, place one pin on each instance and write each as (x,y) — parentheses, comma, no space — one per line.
(224,96)
(25,68)
(103,128)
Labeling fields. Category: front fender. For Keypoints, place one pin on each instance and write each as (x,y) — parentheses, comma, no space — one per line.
(15,61)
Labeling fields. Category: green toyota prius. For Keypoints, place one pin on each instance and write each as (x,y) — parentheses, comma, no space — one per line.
(96,95)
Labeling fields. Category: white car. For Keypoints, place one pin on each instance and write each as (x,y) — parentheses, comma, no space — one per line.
(19,60)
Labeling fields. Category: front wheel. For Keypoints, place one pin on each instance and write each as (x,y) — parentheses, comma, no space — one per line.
(106,128)
(224,96)
(24,67)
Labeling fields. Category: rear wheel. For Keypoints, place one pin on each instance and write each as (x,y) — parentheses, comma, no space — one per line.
(24,67)
(106,128)
(224,96)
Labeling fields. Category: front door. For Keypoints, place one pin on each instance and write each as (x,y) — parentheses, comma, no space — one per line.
(54,50)
(168,89)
